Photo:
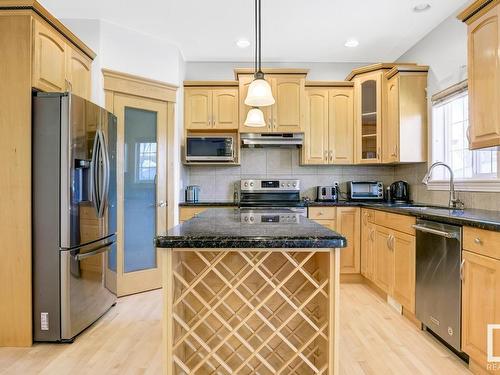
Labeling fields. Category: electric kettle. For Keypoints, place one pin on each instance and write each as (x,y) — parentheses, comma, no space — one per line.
(400,192)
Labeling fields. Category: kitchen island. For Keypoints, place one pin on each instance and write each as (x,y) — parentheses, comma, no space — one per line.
(247,298)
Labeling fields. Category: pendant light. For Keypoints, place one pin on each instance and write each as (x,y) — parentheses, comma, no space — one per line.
(259,92)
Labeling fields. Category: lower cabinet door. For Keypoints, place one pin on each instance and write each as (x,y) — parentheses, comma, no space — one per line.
(348,225)
(384,260)
(404,248)
(480,305)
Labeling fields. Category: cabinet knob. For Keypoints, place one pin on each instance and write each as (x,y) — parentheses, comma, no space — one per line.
(478,241)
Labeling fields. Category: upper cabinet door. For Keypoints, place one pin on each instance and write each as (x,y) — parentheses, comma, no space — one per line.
(484,80)
(49,59)
(368,118)
(79,73)
(341,124)
(198,109)
(390,142)
(315,149)
(289,110)
(225,108)
(244,83)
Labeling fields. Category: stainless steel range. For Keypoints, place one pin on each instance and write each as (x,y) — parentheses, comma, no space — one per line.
(271,201)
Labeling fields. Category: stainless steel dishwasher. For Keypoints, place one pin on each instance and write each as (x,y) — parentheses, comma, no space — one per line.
(438,282)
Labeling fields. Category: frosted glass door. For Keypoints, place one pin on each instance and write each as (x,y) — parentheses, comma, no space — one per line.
(141,192)
(140,160)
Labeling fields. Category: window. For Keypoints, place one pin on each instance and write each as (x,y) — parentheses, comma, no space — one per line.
(145,161)
(476,170)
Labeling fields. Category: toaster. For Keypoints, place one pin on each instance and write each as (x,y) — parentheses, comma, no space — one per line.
(327,193)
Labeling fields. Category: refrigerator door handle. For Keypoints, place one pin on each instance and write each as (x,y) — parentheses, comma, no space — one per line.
(93,175)
(105,164)
(98,250)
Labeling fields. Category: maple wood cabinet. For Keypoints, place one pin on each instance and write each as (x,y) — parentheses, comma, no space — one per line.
(210,108)
(388,254)
(57,65)
(35,50)
(482,18)
(390,113)
(329,128)
(480,292)
(346,221)
(287,115)
(404,131)
(367,244)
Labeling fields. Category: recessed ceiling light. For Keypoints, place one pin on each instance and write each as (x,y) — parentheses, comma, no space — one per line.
(421,7)
(351,43)
(243,43)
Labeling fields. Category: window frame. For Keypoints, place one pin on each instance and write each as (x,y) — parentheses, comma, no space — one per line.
(461,184)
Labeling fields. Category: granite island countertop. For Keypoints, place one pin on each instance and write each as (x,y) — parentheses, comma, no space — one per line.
(222,228)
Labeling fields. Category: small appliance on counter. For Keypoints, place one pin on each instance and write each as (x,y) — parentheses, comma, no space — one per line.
(192,194)
(327,193)
(365,190)
(399,192)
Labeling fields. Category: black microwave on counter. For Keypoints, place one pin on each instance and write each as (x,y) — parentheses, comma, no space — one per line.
(210,149)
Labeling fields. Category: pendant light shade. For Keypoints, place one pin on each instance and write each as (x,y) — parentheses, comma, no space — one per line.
(259,94)
(255,118)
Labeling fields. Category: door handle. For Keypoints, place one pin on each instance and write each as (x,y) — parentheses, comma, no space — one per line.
(331,155)
(162,204)
(94,197)
(462,269)
(437,232)
(96,251)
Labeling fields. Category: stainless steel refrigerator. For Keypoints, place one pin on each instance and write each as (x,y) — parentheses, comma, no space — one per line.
(74,213)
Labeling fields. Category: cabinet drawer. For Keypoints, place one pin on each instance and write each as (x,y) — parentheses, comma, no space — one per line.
(484,242)
(401,223)
(330,224)
(186,213)
(322,213)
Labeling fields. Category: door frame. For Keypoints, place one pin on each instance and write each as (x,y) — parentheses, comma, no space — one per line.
(142,93)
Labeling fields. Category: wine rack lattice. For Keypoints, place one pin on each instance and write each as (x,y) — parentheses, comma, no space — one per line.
(250,312)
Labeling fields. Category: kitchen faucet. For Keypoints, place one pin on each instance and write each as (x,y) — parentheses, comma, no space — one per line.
(453,202)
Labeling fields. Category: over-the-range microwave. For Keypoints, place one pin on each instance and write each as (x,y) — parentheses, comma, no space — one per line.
(210,148)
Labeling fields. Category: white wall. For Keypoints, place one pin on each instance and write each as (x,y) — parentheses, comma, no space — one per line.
(444,49)
(132,52)
(224,70)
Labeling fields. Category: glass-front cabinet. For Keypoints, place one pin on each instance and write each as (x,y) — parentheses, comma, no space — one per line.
(368,117)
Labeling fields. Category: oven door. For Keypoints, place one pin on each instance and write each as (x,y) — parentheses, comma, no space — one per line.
(209,149)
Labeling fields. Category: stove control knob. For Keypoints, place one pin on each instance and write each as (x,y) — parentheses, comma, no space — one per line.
(294,218)
(246,218)
(251,184)
(282,185)
(288,185)
(246,184)
(252,219)
(294,184)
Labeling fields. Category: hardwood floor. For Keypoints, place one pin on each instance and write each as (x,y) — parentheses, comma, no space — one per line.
(374,340)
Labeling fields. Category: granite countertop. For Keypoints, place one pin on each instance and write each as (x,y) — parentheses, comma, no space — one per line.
(222,228)
(483,219)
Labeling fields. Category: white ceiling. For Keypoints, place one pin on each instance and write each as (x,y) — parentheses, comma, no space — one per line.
(293,30)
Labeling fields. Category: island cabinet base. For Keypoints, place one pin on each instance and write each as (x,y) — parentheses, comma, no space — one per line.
(250,311)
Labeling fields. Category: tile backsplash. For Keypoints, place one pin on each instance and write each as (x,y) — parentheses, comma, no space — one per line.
(217,182)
